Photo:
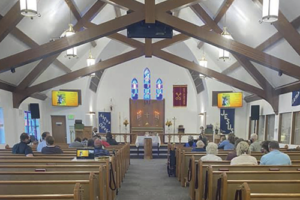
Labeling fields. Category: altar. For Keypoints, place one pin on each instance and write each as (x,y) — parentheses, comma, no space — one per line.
(147,117)
(155,141)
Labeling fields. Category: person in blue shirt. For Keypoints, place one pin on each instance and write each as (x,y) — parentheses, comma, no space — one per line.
(200,147)
(190,142)
(227,144)
(275,157)
(99,150)
(43,143)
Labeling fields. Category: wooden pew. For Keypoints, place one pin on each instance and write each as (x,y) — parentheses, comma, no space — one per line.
(247,173)
(76,195)
(259,186)
(246,194)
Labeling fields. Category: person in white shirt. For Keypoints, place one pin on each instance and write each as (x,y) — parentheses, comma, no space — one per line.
(244,158)
(211,153)
(255,146)
(43,143)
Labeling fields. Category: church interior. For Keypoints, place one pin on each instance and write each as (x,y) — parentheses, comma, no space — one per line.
(158,99)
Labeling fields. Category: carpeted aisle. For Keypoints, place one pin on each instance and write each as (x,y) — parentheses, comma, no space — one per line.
(148,180)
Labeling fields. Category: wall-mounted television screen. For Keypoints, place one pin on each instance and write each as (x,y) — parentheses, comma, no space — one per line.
(230,100)
(64,98)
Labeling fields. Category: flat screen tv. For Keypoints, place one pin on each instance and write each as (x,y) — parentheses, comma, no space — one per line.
(65,98)
(230,100)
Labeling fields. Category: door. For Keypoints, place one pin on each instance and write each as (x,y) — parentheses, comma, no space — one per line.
(59,131)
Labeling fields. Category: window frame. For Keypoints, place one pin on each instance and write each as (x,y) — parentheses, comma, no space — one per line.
(280,125)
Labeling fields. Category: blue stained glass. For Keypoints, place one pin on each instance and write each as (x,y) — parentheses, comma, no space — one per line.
(159,89)
(147,84)
(134,89)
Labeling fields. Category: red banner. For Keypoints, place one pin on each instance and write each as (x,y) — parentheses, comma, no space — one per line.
(179,95)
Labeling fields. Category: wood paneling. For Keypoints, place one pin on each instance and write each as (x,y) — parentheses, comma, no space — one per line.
(150,11)
(148,47)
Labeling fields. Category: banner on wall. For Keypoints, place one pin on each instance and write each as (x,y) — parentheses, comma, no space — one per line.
(104,122)
(227,121)
(179,95)
(296,98)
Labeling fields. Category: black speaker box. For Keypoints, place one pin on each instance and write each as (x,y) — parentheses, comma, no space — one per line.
(255,112)
(35,110)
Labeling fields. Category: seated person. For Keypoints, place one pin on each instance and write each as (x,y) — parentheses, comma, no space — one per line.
(255,144)
(265,147)
(99,151)
(43,143)
(232,155)
(110,139)
(227,144)
(211,153)
(104,143)
(84,142)
(200,147)
(244,158)
(275,157)
(22,147)
(190,142)
(51,148)
(76,143)
(90,143)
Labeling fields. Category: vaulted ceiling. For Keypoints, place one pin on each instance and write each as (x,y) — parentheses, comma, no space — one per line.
(259,50)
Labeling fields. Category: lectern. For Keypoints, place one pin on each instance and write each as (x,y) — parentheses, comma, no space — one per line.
(148,148)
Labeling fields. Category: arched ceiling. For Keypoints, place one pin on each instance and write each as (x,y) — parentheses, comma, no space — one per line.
(242,17)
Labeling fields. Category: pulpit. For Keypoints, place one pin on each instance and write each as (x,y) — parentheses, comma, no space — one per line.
(148,148)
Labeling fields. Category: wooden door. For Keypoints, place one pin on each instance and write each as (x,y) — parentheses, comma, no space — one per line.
(59,131)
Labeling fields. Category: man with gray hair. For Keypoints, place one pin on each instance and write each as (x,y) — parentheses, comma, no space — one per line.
(275,157)
(255,145)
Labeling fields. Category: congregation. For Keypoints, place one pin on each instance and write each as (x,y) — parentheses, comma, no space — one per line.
(241,150)
(98,142)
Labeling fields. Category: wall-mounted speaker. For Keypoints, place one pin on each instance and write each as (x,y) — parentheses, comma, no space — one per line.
(35,110)
(255,112)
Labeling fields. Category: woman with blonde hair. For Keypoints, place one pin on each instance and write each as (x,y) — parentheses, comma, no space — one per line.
(244,158)
(211,153)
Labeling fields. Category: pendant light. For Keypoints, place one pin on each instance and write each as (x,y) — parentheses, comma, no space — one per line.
(202,63)
(72,52)
(91,61)
(224,55)
(28,8)
(270,10)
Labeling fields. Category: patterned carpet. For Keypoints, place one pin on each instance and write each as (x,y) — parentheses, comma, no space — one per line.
(148,180)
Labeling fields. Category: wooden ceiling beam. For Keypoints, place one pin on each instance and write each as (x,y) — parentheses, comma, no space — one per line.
(265,45)
(229,45)
(7,86)
(168,42)
(61,66)
(150,11)
(127,4)
(10,20)
(65,43)
(223,9)
(175,4)
(83,72)
(286,29)
(148,47)
(295,86)
(207,72)
(249,67)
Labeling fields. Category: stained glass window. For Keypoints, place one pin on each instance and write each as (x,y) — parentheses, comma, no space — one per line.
(159,89)
(32,126)
(134,89)
(147,85)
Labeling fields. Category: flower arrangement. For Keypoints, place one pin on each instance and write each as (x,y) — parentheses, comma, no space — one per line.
(126,122)
(168,123)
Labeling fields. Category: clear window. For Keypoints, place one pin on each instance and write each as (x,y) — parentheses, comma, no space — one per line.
(2,132)
(285,127)
(261,128)
(297,128)
(32,126)
(270,127)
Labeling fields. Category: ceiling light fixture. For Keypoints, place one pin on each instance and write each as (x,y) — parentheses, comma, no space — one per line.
(91,61)
(270,10)
(224,55)
(202,63)
(72,52)
(28,8)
